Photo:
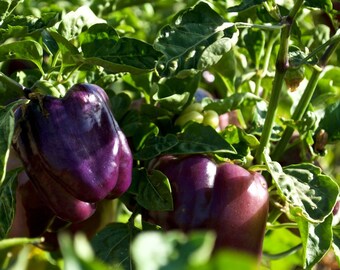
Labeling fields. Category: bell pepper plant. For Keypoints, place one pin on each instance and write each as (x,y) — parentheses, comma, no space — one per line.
(169,134)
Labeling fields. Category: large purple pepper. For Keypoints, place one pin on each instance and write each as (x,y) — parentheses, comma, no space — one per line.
(73,150)
(225,198)
(32,216)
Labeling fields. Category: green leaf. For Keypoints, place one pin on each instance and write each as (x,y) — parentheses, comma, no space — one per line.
(240,140)
(171,250)
(74,22)
(26,49)
(258,119)
(69,52)
(309,193)
(77,253)
(18,26)
(225,77)
(45,88)
(139,129)
(142,83)
(283,248)
(336,243)
(102,46)
(198,138)
(255,41)
(155,195)
(112,244)
(63,44)
(99,40)
(7,7)
(154,191)
(174,93)
(329,120)
(195,139)
(245,4)
(6,134)
(297,58)
(328,85)
(120,105)
(155,146)
(325,5)
(232,102)
(50,44)
(22,260)
(316,240)
(229,259)
(173,101)
(197,38)
(7,202)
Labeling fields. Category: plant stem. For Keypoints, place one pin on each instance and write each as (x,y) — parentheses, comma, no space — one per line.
(282,64)
(304,101)
(334,39)
(290,225)
(12,84)
(283,254)
(281,67)
(259,26)
(298,113)
(8,243)
(264,71)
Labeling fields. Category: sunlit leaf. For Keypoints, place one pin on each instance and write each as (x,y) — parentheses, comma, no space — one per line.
(27,49)
(74,22)
(18,26)
(195,139)
(197,38)
(336,243)
(307,190)
(325,5)
(70,54)
(245,4)
(316,239)
(102,46)
(7,7)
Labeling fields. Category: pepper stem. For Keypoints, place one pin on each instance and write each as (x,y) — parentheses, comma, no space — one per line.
(10,83)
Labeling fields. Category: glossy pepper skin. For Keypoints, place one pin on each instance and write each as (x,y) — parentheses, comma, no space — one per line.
(32,216)
(225,198)
(73,150)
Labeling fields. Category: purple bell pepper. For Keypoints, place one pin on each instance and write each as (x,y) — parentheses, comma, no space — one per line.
(73,150)
(225,198)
